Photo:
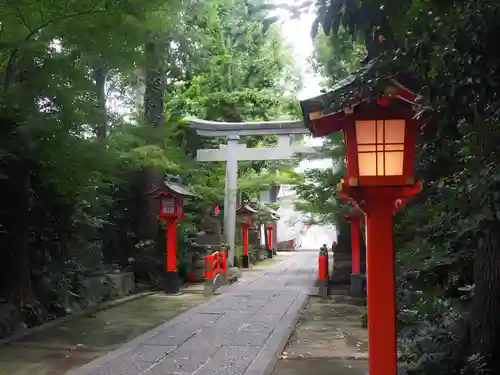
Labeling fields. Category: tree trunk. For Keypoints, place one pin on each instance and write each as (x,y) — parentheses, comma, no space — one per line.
(485,325)
(15,224)
(154,116)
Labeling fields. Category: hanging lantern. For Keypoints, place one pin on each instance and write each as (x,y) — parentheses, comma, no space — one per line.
(380,151)
(170,205)
(245,215)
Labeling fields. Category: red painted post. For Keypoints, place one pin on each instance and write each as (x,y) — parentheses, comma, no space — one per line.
(171,283)
(291,244)
(269,230)
(356,245)
(171,246)
(381,289)
(321,267)
(244,260)
(245,241)
(356,287)
(323,273)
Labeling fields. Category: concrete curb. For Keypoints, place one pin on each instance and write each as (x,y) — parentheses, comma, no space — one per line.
(96,363)
(267,358)
(91,310)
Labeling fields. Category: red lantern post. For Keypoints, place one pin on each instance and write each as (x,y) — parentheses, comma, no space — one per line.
(269,231)
(380,148)
(245,215)
(356,279)
(171,202)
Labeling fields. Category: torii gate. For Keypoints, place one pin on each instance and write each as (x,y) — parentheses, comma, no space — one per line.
(234,152)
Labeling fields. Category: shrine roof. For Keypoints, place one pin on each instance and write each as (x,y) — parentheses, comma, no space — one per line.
(174,184)
(324,113)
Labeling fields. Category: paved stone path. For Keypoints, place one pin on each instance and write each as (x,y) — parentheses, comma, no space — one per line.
(240,332)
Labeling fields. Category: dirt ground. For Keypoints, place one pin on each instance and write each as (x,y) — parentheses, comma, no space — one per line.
(57,349)
(328,340)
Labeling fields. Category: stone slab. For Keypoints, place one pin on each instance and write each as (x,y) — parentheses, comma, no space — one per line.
(230,360)
(266,359)
(148,353)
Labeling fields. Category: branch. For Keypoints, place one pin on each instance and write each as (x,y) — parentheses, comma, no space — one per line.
(23,20)
(40,9)
(33,32)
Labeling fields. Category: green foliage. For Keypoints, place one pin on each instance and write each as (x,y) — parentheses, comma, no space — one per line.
(337,55)
(447,240)
(80,141)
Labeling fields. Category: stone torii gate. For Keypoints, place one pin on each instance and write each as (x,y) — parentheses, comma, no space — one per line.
(234,152)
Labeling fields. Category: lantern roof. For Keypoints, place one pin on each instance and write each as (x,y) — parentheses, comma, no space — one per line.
(174,185)
(245,208)
(324,114)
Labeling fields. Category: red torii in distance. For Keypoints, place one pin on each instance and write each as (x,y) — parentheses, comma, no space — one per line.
(380,152)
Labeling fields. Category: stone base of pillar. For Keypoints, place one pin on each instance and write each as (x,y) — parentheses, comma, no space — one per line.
(171,282)
(323,288)
(244,261)
(356,287)
(269,254)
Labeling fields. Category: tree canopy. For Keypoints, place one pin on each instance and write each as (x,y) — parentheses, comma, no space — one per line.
(92,103)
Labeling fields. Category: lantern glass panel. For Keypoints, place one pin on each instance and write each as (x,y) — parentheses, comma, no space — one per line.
(380,147)
(168,205)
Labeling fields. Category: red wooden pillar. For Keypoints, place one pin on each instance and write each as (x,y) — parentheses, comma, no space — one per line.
(381,288)
(379,205)
(356,246)
(323,272)
(356,287)
(244,260)
(269,229)
(172,283)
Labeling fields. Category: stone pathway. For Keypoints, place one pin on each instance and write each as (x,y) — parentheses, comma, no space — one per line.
(240,332)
